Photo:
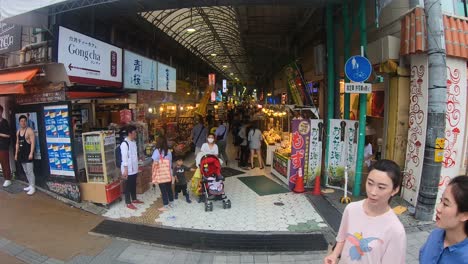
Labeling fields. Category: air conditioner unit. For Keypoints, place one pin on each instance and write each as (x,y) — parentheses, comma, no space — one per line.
(384,49)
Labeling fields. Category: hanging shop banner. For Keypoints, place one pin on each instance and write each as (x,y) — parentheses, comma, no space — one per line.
(58,140)
(32,123)
(166,78)
(455,123)
(225,89)
(139,72)
(300,129)
(342,152)
(417,128)
(88,60)
(10,38)
(211,79)
(315,152)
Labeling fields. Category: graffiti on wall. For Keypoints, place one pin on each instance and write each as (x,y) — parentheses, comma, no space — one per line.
(66,189)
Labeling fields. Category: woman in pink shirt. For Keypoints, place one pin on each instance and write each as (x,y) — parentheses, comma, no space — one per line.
(370,232)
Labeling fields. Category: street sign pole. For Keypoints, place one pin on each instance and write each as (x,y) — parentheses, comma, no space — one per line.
(362,107)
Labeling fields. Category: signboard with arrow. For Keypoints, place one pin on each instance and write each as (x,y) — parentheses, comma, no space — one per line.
(88,60)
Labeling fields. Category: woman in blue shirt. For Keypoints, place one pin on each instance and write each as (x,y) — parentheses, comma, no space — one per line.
(448,243)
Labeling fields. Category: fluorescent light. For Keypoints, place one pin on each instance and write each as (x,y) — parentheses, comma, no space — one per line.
(213,54)
(191,30)
(225,66)
(231,73)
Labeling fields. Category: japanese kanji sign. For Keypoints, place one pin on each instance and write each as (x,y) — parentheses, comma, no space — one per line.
(139,72)
(300,129)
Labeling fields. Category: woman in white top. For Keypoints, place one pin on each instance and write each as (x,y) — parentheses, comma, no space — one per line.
(255,143)
(210,147)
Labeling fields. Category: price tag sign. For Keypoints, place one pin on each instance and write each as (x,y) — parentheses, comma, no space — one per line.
(363,88)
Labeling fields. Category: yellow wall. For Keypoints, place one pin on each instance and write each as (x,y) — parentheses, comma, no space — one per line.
(398,112)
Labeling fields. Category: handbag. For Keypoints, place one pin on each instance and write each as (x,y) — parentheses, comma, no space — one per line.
(221,137)
(161,172)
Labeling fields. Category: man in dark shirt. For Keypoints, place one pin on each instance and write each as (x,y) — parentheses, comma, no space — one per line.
(5,149)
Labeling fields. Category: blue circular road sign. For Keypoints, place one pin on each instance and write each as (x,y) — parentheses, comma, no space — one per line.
(358,69)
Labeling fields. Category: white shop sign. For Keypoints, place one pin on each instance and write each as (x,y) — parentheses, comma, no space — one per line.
(88,60)
(139,72)
(166,78)
(358,88)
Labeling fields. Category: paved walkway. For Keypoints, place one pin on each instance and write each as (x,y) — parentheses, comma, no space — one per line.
(41,229)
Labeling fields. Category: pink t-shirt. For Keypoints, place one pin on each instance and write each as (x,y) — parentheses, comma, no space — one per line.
(379,239)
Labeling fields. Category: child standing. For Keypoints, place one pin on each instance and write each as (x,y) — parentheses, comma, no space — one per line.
(180,180)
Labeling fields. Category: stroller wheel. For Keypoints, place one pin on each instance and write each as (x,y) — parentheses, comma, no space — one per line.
(208,206)
(225,205)
(228,204)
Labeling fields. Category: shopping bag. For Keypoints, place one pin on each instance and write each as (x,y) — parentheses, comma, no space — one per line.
(194,184)
(161,171)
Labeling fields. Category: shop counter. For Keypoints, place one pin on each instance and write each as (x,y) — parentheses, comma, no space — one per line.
(268,151)
(100,192)
(281,167)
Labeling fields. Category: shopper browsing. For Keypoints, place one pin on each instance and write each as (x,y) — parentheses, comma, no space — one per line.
(221,139)
(180,180)
(161,172)
(25,144)
(370,232)
(129,167)
(255,143)
(449,243)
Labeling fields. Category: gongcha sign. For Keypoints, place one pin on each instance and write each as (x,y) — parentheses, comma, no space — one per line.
(10,38)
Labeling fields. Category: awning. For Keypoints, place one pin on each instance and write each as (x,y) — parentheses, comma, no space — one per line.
(91,95)
(12,82)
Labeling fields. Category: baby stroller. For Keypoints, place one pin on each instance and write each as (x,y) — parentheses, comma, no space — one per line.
(212,182)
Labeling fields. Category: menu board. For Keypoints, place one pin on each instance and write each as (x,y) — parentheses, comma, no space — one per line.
(59,148)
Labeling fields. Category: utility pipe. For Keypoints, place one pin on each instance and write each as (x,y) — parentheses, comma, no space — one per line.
(362,104)
(330,80)
(347,48)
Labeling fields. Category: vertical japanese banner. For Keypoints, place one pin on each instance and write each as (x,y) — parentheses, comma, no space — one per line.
(417,128)
(300,129)
(343,142)
(455,122)
(315,152)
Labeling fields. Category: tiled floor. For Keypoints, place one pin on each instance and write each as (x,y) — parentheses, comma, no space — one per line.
(249,212)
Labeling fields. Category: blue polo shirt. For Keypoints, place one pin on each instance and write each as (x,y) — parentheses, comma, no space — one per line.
(433,252)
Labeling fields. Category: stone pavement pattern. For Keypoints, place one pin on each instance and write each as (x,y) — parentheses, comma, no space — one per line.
(40,229)
(125,252)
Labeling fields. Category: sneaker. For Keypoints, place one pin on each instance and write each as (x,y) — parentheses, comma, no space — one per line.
(164,208)
(7,183)
(31,191)
(27,188)
(188,199)
(131,206)
(137,201)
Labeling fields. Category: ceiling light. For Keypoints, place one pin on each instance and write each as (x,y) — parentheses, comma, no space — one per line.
(191,29)
(231,73)
(213,54)
(225,66)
